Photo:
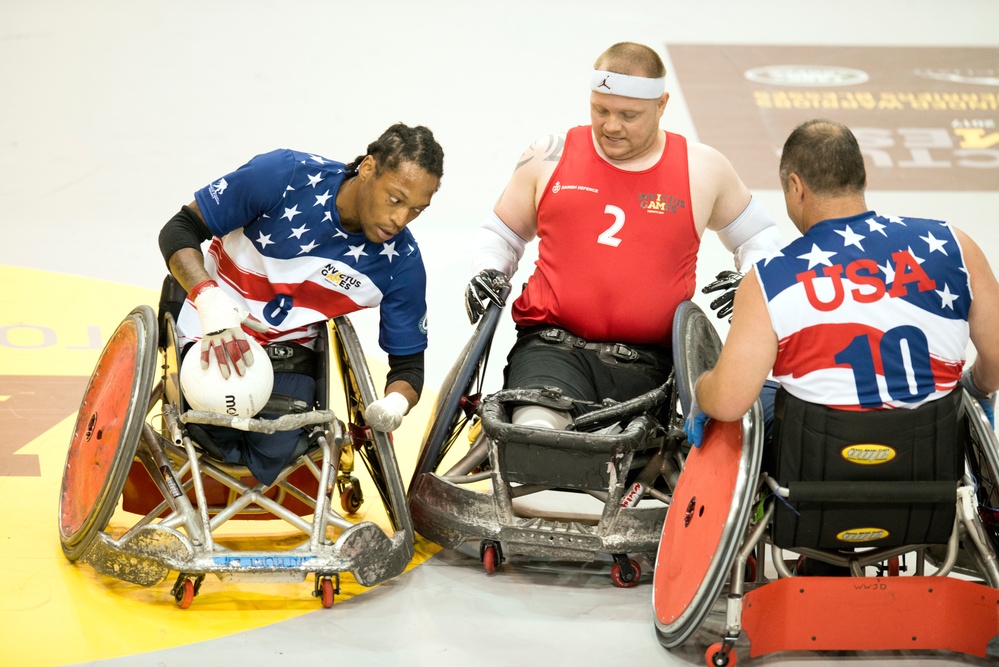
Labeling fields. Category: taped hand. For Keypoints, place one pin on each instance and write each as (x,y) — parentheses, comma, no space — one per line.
(386,413)
(987,401)
(693,426)
(222,333)
(487,286)
(728,281)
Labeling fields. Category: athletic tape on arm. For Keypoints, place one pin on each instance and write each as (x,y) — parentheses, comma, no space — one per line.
(497,247)
(751,236)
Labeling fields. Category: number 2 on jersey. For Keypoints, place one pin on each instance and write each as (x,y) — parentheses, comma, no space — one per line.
(607,236)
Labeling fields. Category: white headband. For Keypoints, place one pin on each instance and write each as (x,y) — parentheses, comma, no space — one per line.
(626,85)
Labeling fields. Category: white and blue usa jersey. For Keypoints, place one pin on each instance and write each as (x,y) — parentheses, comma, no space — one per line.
(280,250)
(870,312)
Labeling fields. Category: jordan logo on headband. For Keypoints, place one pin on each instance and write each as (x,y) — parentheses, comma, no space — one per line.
(626,85)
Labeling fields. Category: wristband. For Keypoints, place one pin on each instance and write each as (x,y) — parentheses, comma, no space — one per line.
(201,287)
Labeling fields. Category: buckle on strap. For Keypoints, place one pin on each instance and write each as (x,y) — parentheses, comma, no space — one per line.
(623,352)
(553,335)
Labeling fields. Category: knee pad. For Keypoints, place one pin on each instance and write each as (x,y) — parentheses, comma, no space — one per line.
(540,417)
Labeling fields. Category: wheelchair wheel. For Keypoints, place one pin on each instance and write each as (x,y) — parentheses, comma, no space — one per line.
(460,389)
(705,526)
(107,432)
(696,346)
(983,462)
(377,451)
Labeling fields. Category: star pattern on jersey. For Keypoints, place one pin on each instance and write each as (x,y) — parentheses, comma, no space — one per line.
(946,297)
(298,231)
(314,179)
(264,240)
(850,237)
(306,249)
(817,256)
(876,226)
(916,247)
(935,244)
(322,199)
(389,251)
(356,251)
(290,213)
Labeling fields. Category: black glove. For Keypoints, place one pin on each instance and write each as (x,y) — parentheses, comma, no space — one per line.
(487,286)
(728,281)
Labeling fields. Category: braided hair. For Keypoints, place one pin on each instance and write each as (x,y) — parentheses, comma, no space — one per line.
(401,143)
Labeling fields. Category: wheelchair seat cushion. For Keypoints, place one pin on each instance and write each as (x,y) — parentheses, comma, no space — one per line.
(868,462)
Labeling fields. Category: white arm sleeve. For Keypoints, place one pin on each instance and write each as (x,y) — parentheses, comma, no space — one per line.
(496,246)
(751,237)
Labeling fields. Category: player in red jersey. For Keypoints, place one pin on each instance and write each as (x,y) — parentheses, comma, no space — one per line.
(619,208)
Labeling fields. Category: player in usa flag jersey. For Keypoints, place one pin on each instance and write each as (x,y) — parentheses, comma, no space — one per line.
(864,311)
(297,239)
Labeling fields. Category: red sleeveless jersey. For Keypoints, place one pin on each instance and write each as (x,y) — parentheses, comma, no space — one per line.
(618,249)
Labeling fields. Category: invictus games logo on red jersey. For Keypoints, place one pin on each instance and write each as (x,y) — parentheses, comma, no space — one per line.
(659,203)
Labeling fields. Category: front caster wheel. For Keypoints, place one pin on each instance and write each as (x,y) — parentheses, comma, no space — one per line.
(491,556)
(720,655)
(625,572)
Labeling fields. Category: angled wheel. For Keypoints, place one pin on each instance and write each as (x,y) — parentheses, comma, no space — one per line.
(377,451)
(451,410)
(107,432)
(706,524)
(696,347)
(982,452)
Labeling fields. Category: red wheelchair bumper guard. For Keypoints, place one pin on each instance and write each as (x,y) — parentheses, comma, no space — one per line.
(871,614)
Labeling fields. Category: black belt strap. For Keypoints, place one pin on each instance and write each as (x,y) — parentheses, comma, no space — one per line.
(292,358)
(620,352)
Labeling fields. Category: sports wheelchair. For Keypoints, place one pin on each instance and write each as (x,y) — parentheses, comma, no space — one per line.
(131,443)
(626,455)
(853,496)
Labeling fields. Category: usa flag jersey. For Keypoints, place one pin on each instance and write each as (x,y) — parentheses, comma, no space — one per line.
(870,312)
(280,251)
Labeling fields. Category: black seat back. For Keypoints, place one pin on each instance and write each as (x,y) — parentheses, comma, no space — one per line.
(881,478)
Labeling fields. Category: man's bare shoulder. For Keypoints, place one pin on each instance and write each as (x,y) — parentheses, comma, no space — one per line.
(703,156)
(546,149)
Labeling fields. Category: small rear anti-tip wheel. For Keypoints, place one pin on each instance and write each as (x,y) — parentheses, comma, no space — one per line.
(720,655)
(489,552)
(326,589)
(184,591)
(351,496)
(327,592)
(893,567)
(627,576)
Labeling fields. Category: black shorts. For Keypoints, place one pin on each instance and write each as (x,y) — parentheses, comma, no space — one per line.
(590,373)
